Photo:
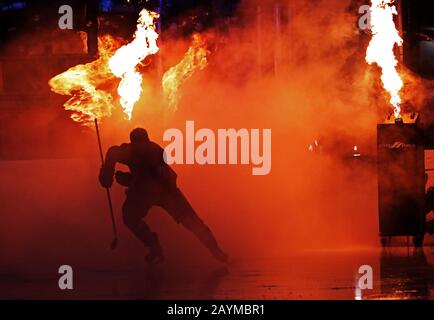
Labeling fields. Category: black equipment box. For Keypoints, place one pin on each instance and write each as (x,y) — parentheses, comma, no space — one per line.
(401,178)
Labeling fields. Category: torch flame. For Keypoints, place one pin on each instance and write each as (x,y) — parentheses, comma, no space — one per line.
(124,62)
(82,82)
(195,58)
(384,38)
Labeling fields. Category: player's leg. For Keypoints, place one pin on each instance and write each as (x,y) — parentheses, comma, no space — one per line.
(176,204)
(133,212)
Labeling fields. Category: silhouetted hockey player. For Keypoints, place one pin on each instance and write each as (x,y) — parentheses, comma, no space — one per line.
(151,182)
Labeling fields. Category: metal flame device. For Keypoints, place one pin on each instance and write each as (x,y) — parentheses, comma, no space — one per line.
(401,178)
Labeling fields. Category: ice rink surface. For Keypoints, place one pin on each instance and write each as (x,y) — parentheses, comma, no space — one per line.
(398,273)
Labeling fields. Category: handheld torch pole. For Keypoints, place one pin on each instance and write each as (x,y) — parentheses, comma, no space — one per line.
(109,198)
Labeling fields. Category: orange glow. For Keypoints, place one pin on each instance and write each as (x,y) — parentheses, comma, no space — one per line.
(124,62)
(380,51)
(194,59)
(82,82)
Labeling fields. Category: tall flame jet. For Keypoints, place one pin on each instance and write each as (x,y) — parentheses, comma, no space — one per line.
(194,59)
(123,64)
(380,50)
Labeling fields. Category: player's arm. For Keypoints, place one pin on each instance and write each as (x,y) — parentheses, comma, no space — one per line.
(107,171)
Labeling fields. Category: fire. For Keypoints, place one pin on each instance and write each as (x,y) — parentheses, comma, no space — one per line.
(126,59)
(194,59)
(83,81)
(384,38)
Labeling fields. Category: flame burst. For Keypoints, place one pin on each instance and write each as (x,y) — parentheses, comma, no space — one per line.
(126,59)
(384,38)
(82,82)
(194,59)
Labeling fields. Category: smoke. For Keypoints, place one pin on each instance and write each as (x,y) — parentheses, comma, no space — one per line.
(307,82)
(304,76)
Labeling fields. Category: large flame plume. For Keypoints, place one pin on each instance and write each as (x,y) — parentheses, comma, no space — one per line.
(380,51)
(126,59)
(194,59)
(89,84)
(83,81)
